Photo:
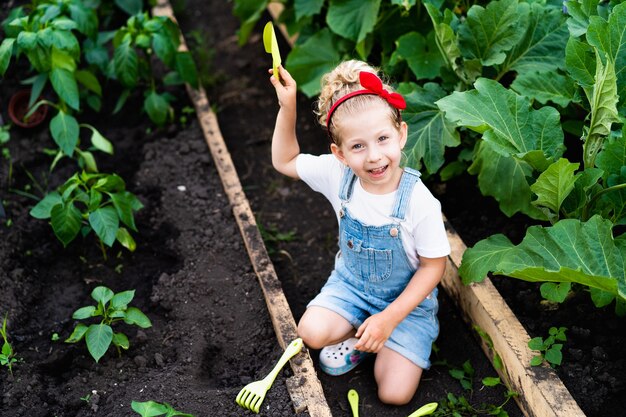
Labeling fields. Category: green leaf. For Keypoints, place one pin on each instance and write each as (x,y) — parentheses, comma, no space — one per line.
(187,68)
(422,56)
(555,291)
(536,360)
(489,32)
(84,313)
(38,86)
(122,299)
(27,40)
(248,12)
(536,343)
(64,23)
(6,51)
(613,156)
(126,64)
(43,208)
(135,316)
(507,120)
(352,19)
(86,161)
(100,142)
(89,80)
(305,8)
(105,222)
(610,38)
(98,338)
(148,408)
(541,47)
(603,103)
(102,294)
(446,41)
(579,11)
(554,356)
(123,203)
(307,62)
(511,190)
(65,42)
(120,340)
(491,381)
(64,129)
(555,184)
(581,62)
(132,7)
(78,333)
(157,108)
(429,131)
(545,86)
(66,222)
(86,19)
(125,239)
(569,251)
(65,86)
(164,49)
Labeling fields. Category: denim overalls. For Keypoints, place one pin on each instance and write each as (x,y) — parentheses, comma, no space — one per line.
(372,269)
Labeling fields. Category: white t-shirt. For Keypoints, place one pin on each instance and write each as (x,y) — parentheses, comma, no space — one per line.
(422,231)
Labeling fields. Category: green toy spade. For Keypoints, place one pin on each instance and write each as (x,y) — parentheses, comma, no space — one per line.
(271,46)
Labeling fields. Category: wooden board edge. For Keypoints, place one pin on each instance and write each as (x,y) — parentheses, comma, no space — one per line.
(542,393)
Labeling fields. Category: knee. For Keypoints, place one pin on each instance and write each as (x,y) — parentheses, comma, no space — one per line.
(311,335)
(395,395)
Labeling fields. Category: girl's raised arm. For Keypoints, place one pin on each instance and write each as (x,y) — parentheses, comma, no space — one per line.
(285,146)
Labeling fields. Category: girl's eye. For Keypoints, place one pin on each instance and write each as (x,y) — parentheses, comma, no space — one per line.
(357,146)
(383,138)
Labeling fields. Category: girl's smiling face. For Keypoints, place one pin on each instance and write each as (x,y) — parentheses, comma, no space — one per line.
(371,145)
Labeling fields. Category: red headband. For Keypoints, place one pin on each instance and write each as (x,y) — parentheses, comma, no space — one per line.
(372,85)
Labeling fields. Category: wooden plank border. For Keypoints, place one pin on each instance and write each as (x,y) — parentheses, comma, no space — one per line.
(304,387)
(541,392)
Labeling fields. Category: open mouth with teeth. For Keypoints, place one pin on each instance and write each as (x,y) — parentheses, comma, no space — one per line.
(378,172)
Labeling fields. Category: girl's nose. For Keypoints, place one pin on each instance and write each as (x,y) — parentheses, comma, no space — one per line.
(374,154)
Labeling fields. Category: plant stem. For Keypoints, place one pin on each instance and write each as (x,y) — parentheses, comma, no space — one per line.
(597,195)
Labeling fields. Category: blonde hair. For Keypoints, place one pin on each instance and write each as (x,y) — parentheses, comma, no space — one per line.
(342,80)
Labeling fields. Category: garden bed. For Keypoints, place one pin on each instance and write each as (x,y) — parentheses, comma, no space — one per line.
(211,332)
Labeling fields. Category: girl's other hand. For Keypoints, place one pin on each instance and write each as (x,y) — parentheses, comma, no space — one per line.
(285,88)
(373,333)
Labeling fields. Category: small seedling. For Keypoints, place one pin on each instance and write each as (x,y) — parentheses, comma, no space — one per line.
(7,357)
(272,237)
(86,398)
(465,375)
(153,409)
(548,349)
(112,308)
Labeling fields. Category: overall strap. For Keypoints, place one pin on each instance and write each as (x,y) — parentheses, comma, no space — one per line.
(410,177)
(347,184)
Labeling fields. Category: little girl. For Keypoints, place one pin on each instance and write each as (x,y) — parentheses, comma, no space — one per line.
(381,296)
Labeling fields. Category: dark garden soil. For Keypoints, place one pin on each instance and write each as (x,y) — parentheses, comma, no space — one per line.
(211,332)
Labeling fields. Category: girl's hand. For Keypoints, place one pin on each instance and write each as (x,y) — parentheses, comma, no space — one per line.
(285,88)
(373,333)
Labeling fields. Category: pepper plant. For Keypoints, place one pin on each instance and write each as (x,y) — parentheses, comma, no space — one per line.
(135,44)
(523,89)
(49,34)
(112,308)
(91,202)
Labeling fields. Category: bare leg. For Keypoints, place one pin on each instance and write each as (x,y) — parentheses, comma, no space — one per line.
(321,327)
(396,376)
